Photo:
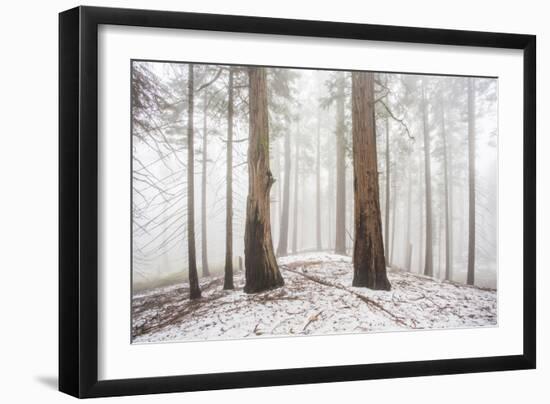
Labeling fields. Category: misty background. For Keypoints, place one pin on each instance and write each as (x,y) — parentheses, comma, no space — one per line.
(307,111)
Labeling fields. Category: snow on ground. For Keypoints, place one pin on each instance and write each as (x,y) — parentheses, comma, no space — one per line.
(317,299)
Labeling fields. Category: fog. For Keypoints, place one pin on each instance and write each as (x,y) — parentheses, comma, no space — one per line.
(303,107)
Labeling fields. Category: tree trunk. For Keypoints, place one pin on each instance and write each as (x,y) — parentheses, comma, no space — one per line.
(420,215)
(350,225)
(428,263)
(450,205)
(471,183)
(318,180)
(194,289)
(448,262)
(408,250)
(228,270)
(276,202)
(330,196)
(369,263)
(462,226)
(282,249)
(393,213)
(296,189)
(439,242)
(261,270)
(388,179)
(340,236)
(204,238)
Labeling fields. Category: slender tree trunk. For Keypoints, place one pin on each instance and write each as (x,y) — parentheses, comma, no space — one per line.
(471,183)
(282,249)
(450,205)
(461,223)
(393,214)
(350,226)
(261,270)
(448,262)
(278,173)
(340,236)
(296,189)
(428,263)
(280,189)
(318,180)
(204,239)
(388,192)
(302,219)
(369,263)
(275,206)
(330,196)
(420,216)
(408,237)
(228,271)
(441,242)
(194,289)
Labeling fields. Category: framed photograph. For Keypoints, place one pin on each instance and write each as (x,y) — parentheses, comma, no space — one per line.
(251,201)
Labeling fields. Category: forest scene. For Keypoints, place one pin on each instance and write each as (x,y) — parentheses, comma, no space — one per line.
(274,201)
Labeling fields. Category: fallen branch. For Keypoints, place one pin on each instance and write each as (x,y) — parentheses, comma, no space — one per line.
(313,318)
(365,299)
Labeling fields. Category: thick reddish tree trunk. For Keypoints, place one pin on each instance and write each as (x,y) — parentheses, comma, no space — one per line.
(369,263)
(194,289)
(261,270)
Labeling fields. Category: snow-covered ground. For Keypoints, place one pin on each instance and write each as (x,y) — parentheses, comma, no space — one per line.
(317,299)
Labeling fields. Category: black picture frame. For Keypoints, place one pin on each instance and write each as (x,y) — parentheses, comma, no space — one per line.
(78,201)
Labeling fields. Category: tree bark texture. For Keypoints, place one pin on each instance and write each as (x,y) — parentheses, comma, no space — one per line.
(369,262)
(261,270)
